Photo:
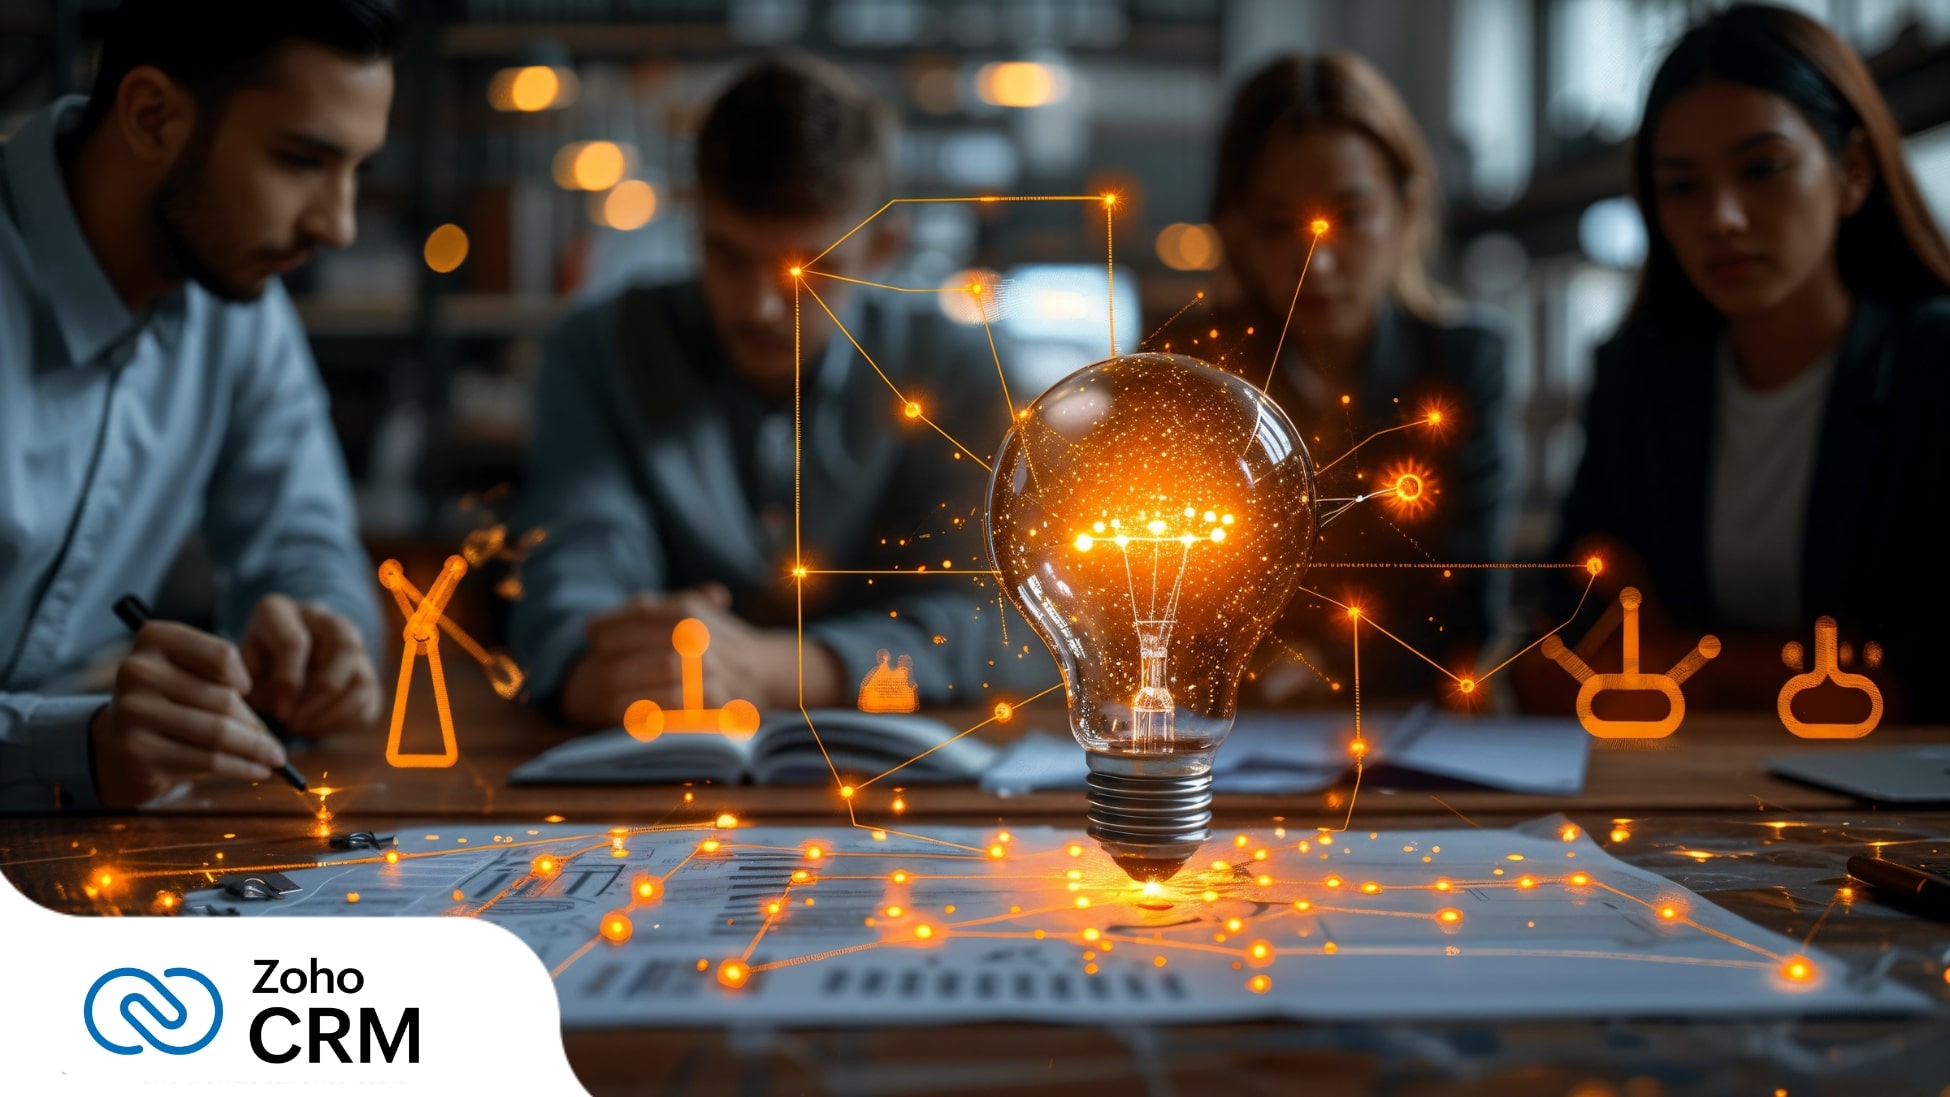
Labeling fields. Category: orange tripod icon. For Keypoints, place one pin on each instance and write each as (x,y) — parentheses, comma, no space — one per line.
(1631,678)
(646,719)
(422,636)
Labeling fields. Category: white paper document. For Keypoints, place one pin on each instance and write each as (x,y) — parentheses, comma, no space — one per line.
(751,926)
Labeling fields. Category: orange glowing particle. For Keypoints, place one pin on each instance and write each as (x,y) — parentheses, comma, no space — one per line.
(1359,747)
(795,271)
(688,797)
(545,865)
(1370,888)
(1261,854)
(727,821)
(1092,934)
(1330,948)
(1234,925)
(1090,969)
(1319,226)
(1073,850)
(1003,711)
(1442,885)
(814,853)
(1449,916)
(644,887)
(1346,399)
(771,908)
(1082,903)
(1569,832)
(1333,881)
(1467,685)
(1157,961)
(1353,611)
(459,895)
(617,926)
(996,851)
(895,912)
(1797,970)
(1620,834)
(800,876)
(1526,882)
(1260,950)
(1408,487)
(709,845)
(1668,912)
(899,805)
(846,792)
(924,932)
(1302,905)
(1435,418)
(1210,896)
(1260,984)
(351,896)
(392,857)
(1579,879)
(913,410)
(1594,565)
(1263,880)
(731,973)
(900,876)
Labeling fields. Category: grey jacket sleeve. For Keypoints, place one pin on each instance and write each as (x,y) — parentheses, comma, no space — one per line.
(278,512)
(44,753)
(600,545)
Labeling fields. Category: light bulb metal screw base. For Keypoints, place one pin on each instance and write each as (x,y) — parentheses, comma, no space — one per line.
(1150,818)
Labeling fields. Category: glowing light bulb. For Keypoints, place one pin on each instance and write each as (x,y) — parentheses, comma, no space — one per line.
(1152,631)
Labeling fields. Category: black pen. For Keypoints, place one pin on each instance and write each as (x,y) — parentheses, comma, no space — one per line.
(135,613)
(1927,892)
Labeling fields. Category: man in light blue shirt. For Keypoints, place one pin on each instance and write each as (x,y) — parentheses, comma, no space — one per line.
(154,381)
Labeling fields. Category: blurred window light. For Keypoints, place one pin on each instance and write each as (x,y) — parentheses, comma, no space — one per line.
(591,165)
(986,160)
(446,248)
(960,304)
(766,22)
(1184,246)
(1021,83)
(877,22)
(1611,232)
(1602,56)
(627,206)
(1494,264)
(531,88)
(1490,98)
(1054,318)
(1929,160)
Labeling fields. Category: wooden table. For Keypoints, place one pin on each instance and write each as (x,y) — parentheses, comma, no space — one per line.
(1706,786)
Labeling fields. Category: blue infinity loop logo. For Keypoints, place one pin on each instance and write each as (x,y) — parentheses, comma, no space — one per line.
(175,1018)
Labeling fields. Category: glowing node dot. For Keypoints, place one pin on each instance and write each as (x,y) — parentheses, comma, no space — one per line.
(846,792)
(1346,399)
(1579,879)
(710,845)
(1083,903)
(1092,934)
(1333,881)
(895,912)
(1797,970)
(1084,541)
(1260,984)
(1319,226)
(1073,850)
(351,896)
(1234,925)
(727,821)
(795,272)
(1449,916)
(1003,711)
(392,857)
(1218,534)
(1443,885)
(731,973)
(1371,888)
(1467,685)
(900,876)
(924,932)
(1358,748)
(814,853)
(1302,905)
(996,851)
(1435,418)
(1408,487)
(644,888)
(1594,565)
(1668,913)
(913,410)
(1526,882)
(1260,950)
(1353,611)
(545,865)
(617,926)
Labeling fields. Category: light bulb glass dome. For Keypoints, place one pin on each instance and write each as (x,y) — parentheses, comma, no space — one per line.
(1151,516)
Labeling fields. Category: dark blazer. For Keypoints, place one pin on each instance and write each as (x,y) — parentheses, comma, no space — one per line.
(1872,549)
(1410,366)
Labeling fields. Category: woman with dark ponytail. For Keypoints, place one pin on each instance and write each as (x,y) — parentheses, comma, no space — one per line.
(1768,436)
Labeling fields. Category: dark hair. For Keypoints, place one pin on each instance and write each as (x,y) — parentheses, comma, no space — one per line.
(1294,93)
(1890,248)
(794,136)
(213,47)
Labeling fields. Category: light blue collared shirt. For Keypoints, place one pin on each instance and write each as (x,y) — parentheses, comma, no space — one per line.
(120,434)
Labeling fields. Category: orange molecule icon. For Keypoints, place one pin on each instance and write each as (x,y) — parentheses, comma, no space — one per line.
(1631,678)
(422,636)
(1828,668)
(646,719)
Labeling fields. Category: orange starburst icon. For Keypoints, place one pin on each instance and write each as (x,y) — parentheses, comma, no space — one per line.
(1408,487)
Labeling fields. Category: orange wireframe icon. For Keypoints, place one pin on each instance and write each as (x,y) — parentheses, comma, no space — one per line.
(646,719)
(1828,667)
(1630,678)
(890,688)
(422,636)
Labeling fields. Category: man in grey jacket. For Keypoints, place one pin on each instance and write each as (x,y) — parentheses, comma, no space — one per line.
(663,466)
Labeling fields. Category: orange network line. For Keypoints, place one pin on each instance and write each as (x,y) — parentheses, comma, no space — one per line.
(1172,319)
(1003,712)
(985,198)
(1432,419)
(912,409)
(1320,229)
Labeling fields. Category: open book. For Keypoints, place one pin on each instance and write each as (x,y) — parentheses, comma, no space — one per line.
(782,752)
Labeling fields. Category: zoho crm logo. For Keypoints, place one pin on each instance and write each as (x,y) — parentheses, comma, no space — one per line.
(140,1011)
